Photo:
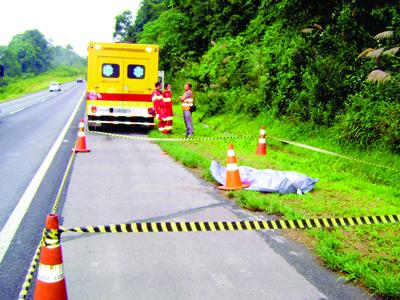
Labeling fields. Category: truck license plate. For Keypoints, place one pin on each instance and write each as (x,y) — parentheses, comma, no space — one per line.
(122,110)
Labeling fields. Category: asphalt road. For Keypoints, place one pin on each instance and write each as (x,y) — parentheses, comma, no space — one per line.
(28,129)
(123,181)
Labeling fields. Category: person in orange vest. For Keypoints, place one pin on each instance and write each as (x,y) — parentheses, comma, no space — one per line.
(167,95)
(159,107)
(187,103)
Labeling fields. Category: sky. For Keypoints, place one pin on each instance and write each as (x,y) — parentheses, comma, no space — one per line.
(74,22)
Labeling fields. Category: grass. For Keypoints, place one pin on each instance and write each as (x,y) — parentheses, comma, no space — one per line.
(367,255)
(17,87)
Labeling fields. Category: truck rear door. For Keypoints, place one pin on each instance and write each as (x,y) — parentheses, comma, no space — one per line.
(138,84)
(111,82)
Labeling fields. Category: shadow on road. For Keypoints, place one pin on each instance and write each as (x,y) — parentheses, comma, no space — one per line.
(125,129)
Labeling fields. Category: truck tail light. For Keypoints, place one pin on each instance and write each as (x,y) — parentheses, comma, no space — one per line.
(94,109)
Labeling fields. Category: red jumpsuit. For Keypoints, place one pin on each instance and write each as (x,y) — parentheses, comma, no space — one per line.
(159,108)
(167,95)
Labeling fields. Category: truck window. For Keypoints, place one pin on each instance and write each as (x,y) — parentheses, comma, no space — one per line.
(110,70)
(136,71)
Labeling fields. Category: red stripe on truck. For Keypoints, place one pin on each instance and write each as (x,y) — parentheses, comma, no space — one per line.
(124,97)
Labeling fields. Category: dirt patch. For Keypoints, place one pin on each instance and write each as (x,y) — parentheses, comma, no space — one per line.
(301,237)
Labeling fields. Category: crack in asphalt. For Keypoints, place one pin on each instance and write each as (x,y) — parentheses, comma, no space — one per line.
(157,218)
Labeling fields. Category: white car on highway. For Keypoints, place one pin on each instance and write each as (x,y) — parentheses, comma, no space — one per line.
(54,87)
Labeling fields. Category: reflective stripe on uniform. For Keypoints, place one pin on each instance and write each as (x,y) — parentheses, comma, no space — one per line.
(155,98)
(187,102)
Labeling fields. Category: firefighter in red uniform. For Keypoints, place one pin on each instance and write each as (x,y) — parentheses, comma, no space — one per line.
(167,95)
(159,107)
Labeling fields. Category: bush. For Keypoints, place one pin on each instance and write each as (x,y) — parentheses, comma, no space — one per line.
(372,117)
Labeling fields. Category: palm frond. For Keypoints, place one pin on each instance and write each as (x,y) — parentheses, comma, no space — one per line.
(375,53)
(365,52)
(307,30)
(226,59)
(384,35)
(378,76)
(392,51)
(319,27)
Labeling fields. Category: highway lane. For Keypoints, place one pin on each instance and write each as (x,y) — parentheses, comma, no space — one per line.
(20,104)
(28,129)
(124,181)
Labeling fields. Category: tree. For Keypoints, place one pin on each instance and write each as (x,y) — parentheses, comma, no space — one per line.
(32,51)
(66,56)
(149,11)
(123,29)
(11,65)
(168,31)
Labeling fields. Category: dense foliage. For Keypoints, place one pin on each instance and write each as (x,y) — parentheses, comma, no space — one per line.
(66,57)
(127,30)
(297,59)
(31,53)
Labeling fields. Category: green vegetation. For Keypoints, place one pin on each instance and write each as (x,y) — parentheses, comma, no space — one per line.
(127,30)
(66,57)
(299,60)
(368,255)
(31,53)
(322,73)
(31,63)
(30,84)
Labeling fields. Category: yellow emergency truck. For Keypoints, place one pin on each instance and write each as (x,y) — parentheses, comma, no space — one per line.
(121,80)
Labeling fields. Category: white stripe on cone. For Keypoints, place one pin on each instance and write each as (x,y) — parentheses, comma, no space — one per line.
(262,131)
(231,167)
(261,141)
(50,274)
(81,134)
(231,153)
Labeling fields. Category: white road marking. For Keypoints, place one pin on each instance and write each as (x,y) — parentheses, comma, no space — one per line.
(15,111)
(44,99)
(13,222)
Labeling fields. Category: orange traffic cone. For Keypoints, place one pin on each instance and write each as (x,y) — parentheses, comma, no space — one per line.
(233,181)
(261,147)
(81,141)
(50,281)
